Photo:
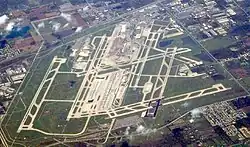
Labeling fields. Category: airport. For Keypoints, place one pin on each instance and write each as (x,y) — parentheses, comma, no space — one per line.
(142,68)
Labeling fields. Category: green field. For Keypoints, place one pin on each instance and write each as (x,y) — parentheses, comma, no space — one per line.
(182,41)
(176,86)
(61,88)
(26,92)
(152,67)
(219,43)
(52,115)
(132,96)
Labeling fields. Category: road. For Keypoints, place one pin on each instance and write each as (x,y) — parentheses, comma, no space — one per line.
(37,53)
(121,16)
(207,51)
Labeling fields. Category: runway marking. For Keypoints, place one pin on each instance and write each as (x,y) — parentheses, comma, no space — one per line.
(34,103)
(97,70)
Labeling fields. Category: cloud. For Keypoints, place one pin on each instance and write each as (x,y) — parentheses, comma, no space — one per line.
(195,113)
(67,24)
(186,104)
(191,120)
(3,19)
(85,8)
(67,17)
(41,25)
(142,130)
(127,131)
(78,29)
(10,26)
(19,19)
(19,29)
(56,26)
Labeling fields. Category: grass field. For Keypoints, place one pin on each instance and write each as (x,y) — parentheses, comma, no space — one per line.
(26,92)
(152,67)
(52,117)
(176,86)
(132,96)
(62,89)
(182,41)
(219,43)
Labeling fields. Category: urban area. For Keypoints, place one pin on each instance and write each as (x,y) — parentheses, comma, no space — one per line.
(147,73)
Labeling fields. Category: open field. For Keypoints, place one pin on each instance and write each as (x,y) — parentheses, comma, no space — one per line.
(181,41)
(61,88)
(219,43)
